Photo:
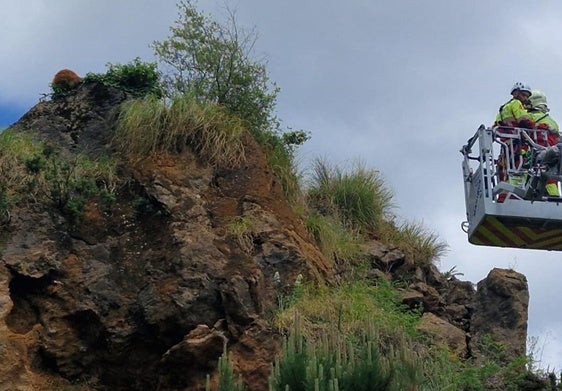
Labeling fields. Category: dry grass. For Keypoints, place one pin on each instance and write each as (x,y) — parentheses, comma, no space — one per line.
(151,126)
(140,125)
(420,244)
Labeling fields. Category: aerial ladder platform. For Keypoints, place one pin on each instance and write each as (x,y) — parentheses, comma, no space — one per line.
(505,171)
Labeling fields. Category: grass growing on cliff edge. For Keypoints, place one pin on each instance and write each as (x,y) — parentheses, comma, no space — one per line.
(149,126)
(359,197)
(359,202)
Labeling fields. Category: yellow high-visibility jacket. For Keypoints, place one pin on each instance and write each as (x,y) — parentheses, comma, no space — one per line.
(513,114)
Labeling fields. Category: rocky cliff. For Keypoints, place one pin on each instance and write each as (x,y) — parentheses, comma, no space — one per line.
(144,295)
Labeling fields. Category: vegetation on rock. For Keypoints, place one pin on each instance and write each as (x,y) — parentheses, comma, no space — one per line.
(137,77)
(355,334)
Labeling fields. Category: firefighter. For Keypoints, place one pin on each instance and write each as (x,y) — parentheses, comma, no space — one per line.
(513,114)
(539,113)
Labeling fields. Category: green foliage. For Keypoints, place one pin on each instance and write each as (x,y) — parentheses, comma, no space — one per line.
(338,243)
(63,90)
(69,182)
(151,126)
(5,205)
(361,335)
(136,77)
(214,62)
(227,379)
(359,198)
(280,149)
(34,171)
(15,148)
(349,307)
(452,273)
(241,228)
(361,202)
(333,362)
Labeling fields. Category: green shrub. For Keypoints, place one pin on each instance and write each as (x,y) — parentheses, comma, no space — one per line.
(62,90)
(227,379)
(32,170)
(333,361)
(214,62)
(136,77)
(70,182)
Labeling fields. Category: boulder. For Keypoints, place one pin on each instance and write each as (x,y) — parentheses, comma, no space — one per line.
(442,332)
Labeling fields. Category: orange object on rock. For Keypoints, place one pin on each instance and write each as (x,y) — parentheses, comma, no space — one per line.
(66,79)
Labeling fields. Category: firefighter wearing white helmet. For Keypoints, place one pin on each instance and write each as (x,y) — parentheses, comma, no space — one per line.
(539,113)
(513,112)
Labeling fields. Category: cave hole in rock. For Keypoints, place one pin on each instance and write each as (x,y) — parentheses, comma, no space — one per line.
(25,291)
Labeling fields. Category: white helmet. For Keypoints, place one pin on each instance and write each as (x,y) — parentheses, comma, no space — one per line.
(521,87)
(537,98)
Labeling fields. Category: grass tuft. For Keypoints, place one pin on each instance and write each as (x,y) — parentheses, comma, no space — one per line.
(337,243)
(420,244)
(150,126)
(360,198)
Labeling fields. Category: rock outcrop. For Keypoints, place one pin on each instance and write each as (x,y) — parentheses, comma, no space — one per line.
(499,322)
(492,319)
(129,295)
(146,295)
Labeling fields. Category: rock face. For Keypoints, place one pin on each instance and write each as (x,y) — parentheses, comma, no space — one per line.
(147,294)
(500,315)
(490,320)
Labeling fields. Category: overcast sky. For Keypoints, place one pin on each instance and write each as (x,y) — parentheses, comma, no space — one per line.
(399,85)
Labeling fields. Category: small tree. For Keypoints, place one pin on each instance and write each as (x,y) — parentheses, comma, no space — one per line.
(214,62)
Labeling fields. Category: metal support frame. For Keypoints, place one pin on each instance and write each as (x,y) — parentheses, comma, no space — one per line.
(500,213)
